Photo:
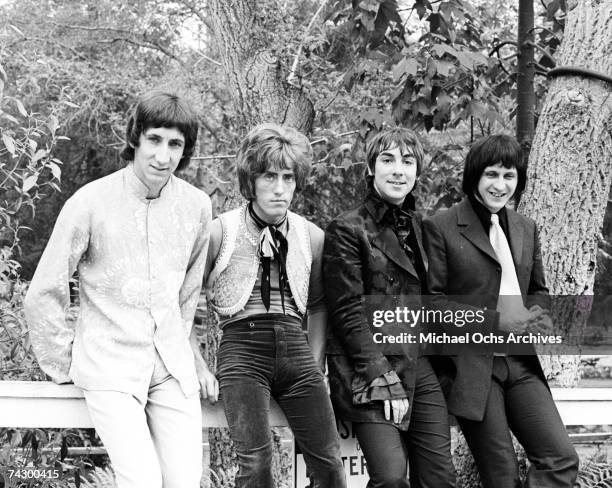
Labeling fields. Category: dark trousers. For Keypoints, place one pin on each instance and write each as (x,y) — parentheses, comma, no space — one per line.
(424,447)
(520,401)
(270,356)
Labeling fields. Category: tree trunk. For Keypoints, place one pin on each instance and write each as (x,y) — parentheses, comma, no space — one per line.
(603,281)
(525,98)
(257,81)
(260,91)
(569,171)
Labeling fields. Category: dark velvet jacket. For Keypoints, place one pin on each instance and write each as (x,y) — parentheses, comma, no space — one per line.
(363,256)
(462,263)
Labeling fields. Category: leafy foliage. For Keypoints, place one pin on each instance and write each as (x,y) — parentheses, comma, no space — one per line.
(28,170)
(446,63)
(595,475)
(432,57)
(47,449)
(100,478)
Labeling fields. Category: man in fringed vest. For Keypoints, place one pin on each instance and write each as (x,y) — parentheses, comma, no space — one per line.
(263,279)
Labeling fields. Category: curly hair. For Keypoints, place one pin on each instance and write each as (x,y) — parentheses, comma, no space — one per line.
(272,146)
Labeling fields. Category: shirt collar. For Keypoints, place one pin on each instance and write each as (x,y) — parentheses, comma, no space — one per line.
(484,214)
(138,188)
(260,223)
(254,228)
(380,208)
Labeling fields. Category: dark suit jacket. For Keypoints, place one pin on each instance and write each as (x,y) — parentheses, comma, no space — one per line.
(462,262)
(363,256)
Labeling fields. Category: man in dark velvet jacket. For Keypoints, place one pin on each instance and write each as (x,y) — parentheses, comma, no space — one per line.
(391,395)
(495,393)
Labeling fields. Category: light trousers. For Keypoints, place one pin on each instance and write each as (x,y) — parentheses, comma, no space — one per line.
(154,444)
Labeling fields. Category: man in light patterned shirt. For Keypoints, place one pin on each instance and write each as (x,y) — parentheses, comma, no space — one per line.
(138,239)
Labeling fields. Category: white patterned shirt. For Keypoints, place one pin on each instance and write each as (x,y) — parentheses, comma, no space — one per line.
(140,264)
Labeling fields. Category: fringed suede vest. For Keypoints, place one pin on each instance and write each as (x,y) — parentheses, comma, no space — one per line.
(234,274)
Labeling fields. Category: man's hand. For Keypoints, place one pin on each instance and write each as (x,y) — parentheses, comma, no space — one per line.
(397,408)
(543,324)
(514,317)
(317,330)
(208,384)
(320,362)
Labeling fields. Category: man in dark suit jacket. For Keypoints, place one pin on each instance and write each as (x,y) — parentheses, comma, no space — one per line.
(495,393)
(391,395)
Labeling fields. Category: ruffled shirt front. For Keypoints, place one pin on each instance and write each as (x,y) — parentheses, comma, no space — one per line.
(388,386)
(140,264)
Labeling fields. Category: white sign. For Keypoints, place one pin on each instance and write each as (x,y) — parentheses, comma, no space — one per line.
(352,459)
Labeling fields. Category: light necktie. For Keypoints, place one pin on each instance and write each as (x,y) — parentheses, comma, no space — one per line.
(509,286)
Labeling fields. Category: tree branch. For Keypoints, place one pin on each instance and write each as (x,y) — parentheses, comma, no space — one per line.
(229,156)
(210,129)
(542,50)
(203,56)
(198,14)
(331,100)
(203,158)
(292,76)
(50,41)
(145,44)
(87,28)
(446,86)
(497,47)
(510,75)
(545,29)
(342,134)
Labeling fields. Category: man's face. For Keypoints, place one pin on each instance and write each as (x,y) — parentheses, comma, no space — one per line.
(273,193)
(496,186)
(395,172)
(157,155)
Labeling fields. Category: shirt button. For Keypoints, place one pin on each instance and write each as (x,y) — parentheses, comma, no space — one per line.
(251,325)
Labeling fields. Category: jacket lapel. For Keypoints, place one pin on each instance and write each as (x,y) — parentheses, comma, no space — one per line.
(386,240)
(416,227)
(471,228)
(388,243)
(517,234)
